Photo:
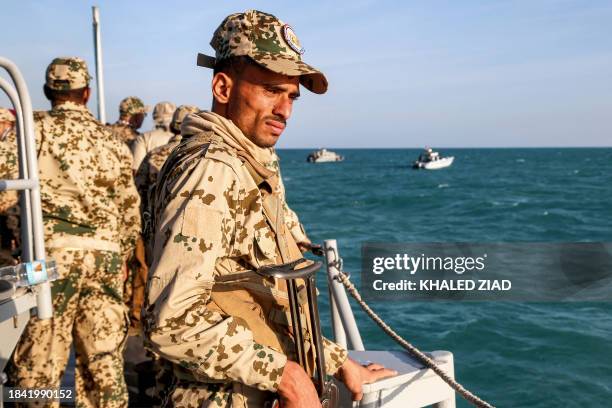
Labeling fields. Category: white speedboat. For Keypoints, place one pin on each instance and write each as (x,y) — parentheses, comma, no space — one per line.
(431,160)
(323,156)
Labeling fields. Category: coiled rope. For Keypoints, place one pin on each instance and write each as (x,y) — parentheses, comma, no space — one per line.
(418,354)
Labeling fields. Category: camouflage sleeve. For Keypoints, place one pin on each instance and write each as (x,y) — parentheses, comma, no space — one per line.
(335,356)
(197,227)
(128,203)
(139,151)
(9,169)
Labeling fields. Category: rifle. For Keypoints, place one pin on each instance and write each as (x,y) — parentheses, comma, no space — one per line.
(327,390)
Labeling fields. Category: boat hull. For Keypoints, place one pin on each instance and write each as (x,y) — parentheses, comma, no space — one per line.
(326,160)
(434,165)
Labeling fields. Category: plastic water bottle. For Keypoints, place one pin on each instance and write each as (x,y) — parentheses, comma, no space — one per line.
(29,273)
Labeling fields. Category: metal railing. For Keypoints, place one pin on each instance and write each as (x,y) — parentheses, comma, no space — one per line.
(32,232)
(416,385)
(344,326)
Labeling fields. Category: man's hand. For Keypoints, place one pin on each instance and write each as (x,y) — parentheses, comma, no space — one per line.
(354,375)
(296,388)
(316,249)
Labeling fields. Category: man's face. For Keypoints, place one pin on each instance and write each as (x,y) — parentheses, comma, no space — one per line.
(260,103)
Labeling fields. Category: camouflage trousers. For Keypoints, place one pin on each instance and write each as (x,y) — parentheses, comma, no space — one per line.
(173,392)
(88,309)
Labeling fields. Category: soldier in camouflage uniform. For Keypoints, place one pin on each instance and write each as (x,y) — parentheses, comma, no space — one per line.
(91,220)
(139,364)
(7,121)
(221,330)
(132,112)
(162,116)
(8,237)
(154,160)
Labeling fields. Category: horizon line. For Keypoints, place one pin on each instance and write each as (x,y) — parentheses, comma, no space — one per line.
(449,148)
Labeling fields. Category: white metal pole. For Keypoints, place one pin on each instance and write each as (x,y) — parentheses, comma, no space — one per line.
(99,66)
(44,303)
(27,242)
(341,300)
(338,329)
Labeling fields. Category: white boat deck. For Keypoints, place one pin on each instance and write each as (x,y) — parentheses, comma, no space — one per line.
(415,386)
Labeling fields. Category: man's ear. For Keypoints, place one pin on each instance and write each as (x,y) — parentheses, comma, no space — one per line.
(222,87)
(86,95)
(46,92)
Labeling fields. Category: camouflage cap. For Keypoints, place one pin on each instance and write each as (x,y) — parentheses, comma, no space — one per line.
(67,73)
(163,111)
(269,42)
(6,115)
(179,116)
(132,106)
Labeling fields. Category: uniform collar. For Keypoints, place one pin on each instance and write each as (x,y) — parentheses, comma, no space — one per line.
(249,153)
(68,105)
(123,123)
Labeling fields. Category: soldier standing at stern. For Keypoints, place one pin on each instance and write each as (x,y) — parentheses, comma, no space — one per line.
(218,212)
(91,220)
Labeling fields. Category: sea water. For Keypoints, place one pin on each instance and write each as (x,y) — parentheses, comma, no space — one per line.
(513,354)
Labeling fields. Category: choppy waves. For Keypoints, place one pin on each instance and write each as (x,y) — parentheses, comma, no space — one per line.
(515,354)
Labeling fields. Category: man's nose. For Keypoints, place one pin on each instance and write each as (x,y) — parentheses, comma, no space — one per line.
(283,107)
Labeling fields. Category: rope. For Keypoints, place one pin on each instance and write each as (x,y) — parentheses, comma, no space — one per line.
(423,358)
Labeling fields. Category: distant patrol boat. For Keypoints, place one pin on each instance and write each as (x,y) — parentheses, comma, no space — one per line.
(323,156)
(430,160)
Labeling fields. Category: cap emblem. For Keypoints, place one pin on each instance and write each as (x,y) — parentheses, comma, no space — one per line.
(291,39)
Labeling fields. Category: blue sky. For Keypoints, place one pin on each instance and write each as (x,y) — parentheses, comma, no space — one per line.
(402,74)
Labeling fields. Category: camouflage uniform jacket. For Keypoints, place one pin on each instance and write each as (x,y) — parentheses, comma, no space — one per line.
(151,165)
(148,141)
(209,222)
(146,176)
(86,184)
(124,132)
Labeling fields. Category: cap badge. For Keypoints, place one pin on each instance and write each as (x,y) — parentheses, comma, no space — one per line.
(291,39)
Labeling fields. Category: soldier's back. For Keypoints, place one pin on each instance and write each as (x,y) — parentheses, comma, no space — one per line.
(81,169)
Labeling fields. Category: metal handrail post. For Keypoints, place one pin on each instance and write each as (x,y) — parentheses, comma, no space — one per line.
(27,249)
(43,296)
(99,67)
(337,328)
(342,303)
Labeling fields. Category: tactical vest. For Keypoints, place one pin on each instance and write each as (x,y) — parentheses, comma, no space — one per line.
(263,303)
(260,304)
